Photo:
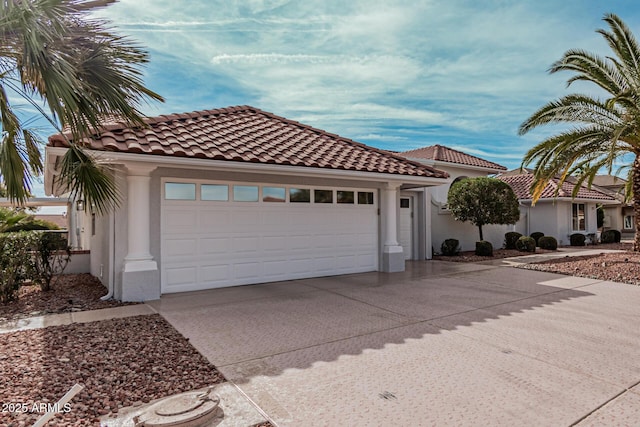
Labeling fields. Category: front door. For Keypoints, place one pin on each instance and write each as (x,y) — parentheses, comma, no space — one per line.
(406,226)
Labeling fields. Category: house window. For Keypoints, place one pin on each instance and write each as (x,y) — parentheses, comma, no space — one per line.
(323,196)
(273,194)
(245,193)
(345,197)
(365,197)
(628,222)
(299,195)
(578,217)
(214,192)
(179,191)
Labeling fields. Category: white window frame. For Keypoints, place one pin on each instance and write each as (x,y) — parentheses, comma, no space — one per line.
(576,217)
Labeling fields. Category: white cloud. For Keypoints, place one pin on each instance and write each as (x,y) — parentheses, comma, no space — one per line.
(457,70)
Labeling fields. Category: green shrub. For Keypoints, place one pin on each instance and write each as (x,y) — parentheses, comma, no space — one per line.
(577,239)
(450,247)
(510,239)
(50,258)
(484,248)
(548,242)
(15,262)
(536,236)
(610,236)
(526,244)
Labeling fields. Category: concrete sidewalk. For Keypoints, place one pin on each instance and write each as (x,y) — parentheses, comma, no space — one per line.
(440,344)
(74,317)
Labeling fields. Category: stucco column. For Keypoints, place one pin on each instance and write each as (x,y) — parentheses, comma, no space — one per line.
(138,254)
(392,253)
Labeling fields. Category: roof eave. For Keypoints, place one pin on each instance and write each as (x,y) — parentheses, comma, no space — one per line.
(109,157)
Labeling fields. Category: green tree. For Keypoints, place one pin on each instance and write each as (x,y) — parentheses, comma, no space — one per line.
(605,132)
(53,54)
(483,201)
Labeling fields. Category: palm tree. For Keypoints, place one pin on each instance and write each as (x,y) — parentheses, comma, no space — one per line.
(605,132)
(75,72)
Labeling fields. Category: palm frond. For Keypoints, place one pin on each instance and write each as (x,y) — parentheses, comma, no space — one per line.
(87,180)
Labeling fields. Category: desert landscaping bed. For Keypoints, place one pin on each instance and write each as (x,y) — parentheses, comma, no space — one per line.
(120,362)
(616,267)
(71,292)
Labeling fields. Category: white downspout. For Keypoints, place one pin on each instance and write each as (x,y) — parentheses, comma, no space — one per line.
(112,250)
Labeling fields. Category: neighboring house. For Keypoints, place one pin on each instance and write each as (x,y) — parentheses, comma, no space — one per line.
(619,216)
(556,213)
(239,196)
(458,165)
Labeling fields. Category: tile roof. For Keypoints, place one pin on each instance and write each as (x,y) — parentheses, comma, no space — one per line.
(521,184)
(445,154)
(247,134)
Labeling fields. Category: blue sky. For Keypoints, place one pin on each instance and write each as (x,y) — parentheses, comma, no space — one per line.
(392,74)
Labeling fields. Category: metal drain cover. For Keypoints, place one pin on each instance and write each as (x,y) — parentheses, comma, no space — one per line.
(191,409)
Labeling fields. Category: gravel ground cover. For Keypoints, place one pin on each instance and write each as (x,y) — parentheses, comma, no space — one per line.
(120,362)
(71,292)
(616,267)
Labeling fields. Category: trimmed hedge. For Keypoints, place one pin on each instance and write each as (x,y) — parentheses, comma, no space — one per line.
(484,248)
(510,239)
(450,247)
(548,242)
(610,236)
(577,239)
(536,236)
(526,244)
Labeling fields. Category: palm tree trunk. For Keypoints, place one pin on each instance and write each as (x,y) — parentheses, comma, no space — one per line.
(636,201)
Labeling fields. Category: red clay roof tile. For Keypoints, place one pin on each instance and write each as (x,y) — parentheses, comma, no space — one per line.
(247,134)
(449,155)
(521,184)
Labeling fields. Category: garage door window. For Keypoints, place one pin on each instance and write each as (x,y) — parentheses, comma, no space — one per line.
(179,191)
(214,192)
(345,197)
(323,196)
(299,195)
(245,193)
(365,197)
(273,194)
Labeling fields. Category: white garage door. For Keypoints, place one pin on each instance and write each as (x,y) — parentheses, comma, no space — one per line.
(222,234)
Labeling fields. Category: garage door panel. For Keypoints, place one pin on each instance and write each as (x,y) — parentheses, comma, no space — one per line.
(181,275)
(214,245)
(179,222)
(243,245)
(182,247)
(301,241)
(275,269)
(247,270)
(215,273)
(274,243)
(209,244)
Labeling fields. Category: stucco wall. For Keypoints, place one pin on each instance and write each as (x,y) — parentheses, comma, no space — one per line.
(444,226)
(554,219)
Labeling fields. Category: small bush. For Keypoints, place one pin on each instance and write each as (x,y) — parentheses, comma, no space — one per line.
(450,247)
(526,244)
(548,242)
(610,236)
(577,239)
(536,236)
(15,262)
(510,239)
(484,248)
(52,254)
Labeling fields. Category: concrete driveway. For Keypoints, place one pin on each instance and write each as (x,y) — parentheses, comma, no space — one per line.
(440,344)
